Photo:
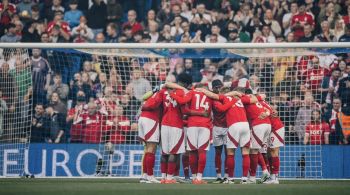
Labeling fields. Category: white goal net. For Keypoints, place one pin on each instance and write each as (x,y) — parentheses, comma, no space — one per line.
(72,97)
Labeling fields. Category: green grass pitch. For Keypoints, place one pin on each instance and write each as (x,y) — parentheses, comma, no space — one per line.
(39,186)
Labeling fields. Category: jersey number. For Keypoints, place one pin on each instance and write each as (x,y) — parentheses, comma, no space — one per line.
(200,103)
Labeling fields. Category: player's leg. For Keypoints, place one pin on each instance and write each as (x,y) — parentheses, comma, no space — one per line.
(186,164)
(203,139)
(244,144)
(192,135)
(164,167)
(164,137)
(176,146)
(258,133)
(230,164)
(141,134)
(193,158)
(276,141)
(150,161)
(263,164)
(218,142)
(232,143)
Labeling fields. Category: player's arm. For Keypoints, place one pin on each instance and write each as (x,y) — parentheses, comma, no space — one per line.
(223,107)
(234,94)
(249,99)
(187,111)
(208,93)
(181,99)
(153,102)
(170,85)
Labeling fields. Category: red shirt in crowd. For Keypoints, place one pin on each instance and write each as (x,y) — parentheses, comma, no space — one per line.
(5,17)
(93,125)
(333,120)
(317,131)
(313,78)
(136,27)
(76,130)
(116,128)
(302,19)
(64,25)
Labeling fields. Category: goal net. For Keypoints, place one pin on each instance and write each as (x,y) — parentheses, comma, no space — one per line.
(93,96)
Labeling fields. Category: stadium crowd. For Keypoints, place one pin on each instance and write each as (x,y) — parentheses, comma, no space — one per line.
(72,95)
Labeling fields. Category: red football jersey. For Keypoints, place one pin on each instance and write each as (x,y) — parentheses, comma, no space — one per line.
(153,102)
(235,110)
(313,78)
(276,122)
(93,125)
(302,19)
(253,112)
(172,115)
(317,132)
(219,118)
(76,130)
(200,102)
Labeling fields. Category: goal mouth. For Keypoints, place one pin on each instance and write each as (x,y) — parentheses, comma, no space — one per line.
(111,83)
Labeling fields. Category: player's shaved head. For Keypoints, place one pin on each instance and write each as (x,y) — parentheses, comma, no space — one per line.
(184,80)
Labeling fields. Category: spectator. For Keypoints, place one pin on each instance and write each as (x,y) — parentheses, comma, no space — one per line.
(92,123)
(331,118)
(58,29)
(38,133)
(31,33)
(329,13)
(312,77)
(56,7)
(57,105)
(55,125)
(3,109)
(303,117)
(153,32)
(292,10)
(100,38)
(346,18)
(308,36)
(265,36)
(193,71)
(97,16)
(339,29)
(45,37)
(325,35)
(135,26)
(176,29)
(100,86)
(138,85)
(299,20)
(316,132)
(58,87)
(24,9)
(74,118)
(274,25)
(82,33)
(7,10)
(114,12)
(87,68)
(344,91)
(72,17)
(10,36)
(211,74)
(112,33)
(329,84)
(41,76)
(346,36)
(79,85)
(215,30)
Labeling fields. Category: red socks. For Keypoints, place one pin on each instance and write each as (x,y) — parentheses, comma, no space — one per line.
(253,164)
(230,164)
(261,162)
(144,163)
(202,159)
(186,165)
(275,165)
(245,164)
(194,162)
(150,158)
(163,166)
(171,168)
(218,162)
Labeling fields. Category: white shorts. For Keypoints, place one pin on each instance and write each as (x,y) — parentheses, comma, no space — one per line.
(219,136)
(172,140)
(277,138)
(238,135)
(198,138)
(148,130)
(260,135)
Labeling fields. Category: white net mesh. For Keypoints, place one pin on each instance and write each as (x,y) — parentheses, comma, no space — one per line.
(95,96)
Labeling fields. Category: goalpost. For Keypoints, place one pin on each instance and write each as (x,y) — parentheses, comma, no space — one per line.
(114,77)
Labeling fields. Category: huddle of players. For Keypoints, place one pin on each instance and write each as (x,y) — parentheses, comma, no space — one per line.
(184,120)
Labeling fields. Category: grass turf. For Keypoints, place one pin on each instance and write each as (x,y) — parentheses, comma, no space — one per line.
(131,186)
